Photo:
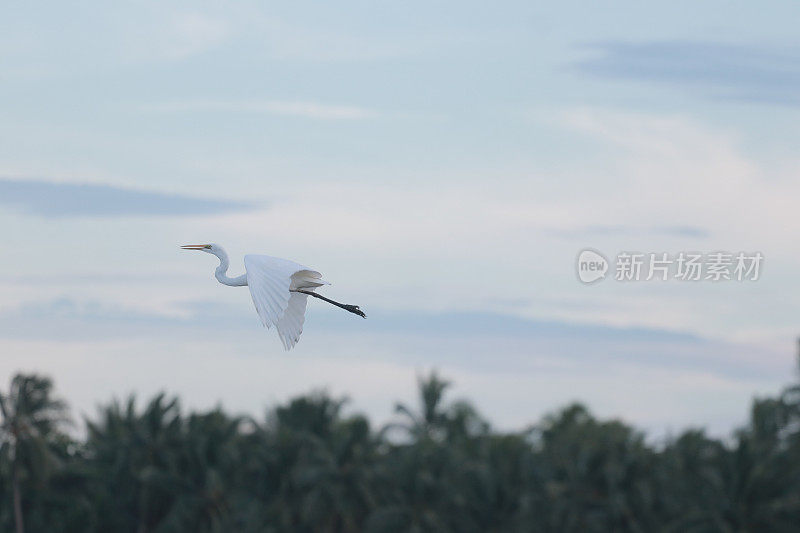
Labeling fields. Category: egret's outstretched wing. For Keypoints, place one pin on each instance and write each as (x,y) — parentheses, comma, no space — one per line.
(270,280)
(291,325)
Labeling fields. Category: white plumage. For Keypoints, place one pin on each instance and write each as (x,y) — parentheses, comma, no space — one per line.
(270,280)
(280,289)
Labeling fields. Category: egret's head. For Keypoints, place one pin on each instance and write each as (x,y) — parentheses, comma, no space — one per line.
(208,248)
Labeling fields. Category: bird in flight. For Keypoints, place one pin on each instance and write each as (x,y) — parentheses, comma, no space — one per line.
(279,287)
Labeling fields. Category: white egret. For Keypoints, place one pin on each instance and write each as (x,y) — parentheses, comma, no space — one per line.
(280,289)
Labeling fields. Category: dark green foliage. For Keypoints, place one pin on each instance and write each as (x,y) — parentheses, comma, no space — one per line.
(308,467)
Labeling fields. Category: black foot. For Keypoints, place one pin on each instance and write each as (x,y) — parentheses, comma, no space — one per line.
(354,309)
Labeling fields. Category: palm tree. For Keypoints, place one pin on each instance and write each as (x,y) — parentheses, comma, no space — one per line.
(440,480)
(320,464)
(134,456)
(760,474)
(595,475)
(206,466)
(31,418)
(430,422)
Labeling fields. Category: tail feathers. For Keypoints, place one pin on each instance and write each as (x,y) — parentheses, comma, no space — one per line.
(307,279)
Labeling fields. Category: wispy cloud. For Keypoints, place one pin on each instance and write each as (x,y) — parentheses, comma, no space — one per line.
(312,110)
(193,33)
(462,338)
(51,199)
(693,232)
(737,72)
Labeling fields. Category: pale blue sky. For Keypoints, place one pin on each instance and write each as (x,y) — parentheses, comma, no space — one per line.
(441,164)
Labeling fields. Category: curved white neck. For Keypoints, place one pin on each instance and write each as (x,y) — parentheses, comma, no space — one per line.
(221,273)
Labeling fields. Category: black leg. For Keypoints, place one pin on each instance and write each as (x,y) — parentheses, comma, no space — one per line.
(347,307)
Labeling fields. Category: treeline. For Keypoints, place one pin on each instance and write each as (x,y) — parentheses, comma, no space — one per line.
(307,468)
